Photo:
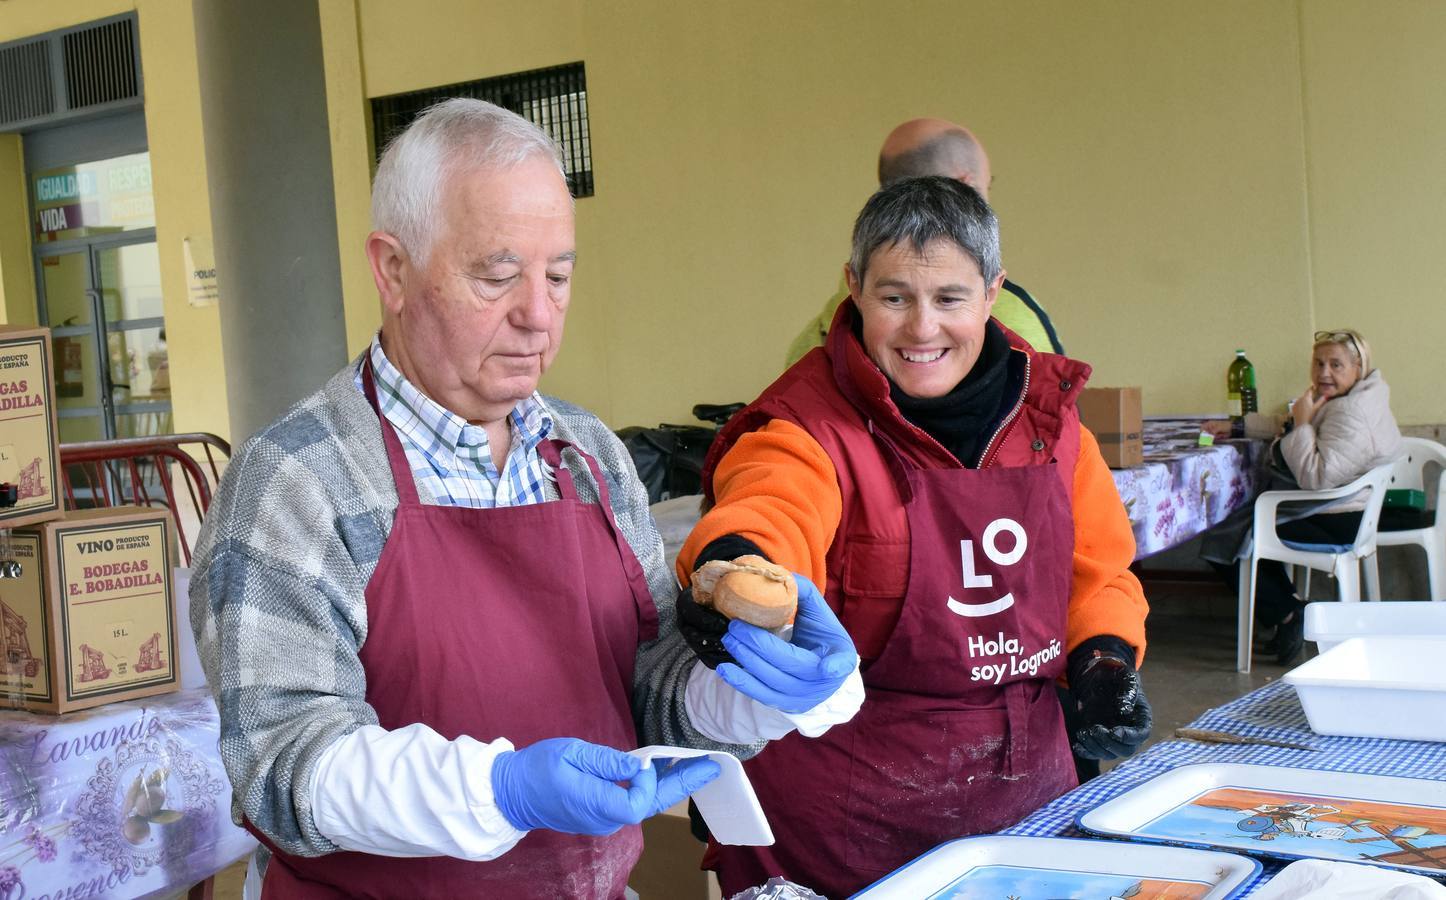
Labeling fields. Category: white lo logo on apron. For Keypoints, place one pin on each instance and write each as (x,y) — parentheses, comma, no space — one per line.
(991,550)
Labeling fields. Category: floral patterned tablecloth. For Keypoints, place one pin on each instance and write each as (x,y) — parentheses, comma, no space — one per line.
(1183,488)
(126,800)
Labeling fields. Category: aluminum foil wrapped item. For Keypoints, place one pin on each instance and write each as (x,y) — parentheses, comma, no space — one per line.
(778,888)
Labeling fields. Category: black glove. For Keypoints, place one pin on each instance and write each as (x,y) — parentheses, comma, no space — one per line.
(1108,716)
(701,626)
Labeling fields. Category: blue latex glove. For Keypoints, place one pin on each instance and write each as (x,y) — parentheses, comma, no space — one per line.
(792,677)
(568,785)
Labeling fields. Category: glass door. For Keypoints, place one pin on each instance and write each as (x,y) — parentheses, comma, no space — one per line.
(69,306)
(128,281)
(100,293)
(103,304)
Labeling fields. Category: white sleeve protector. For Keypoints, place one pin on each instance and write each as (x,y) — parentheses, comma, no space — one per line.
(411,792)
(723,714)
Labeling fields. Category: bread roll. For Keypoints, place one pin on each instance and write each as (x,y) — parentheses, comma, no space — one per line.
(749,588)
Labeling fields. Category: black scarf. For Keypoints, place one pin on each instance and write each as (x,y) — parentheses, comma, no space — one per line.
(964,419)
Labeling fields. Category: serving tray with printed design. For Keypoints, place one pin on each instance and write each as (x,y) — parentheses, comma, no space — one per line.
(1281,812)
(1016,866)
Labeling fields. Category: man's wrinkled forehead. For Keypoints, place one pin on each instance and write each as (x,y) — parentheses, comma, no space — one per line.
(508,207)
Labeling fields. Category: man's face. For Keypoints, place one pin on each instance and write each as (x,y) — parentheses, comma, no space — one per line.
(924,314)
(482,320)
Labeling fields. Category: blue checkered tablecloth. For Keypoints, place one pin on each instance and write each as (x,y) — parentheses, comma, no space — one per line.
(1269,712)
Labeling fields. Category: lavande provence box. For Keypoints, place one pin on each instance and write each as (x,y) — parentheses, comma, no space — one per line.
(90,620)
(28,437)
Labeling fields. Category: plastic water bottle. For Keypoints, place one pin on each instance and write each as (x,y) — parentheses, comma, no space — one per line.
(1240,392)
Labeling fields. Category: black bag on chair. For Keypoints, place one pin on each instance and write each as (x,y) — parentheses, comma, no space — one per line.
(669,458)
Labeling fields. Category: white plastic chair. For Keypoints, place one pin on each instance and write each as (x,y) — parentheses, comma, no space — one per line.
(1409,474)
(1343,561)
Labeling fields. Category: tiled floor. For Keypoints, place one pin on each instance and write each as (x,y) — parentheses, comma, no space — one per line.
(1190,660)
(1189,667)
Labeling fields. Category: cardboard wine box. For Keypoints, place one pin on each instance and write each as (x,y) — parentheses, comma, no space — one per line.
(29,442)
(90,619)
(1115,417)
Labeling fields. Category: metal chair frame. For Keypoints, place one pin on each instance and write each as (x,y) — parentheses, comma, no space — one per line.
(113,473)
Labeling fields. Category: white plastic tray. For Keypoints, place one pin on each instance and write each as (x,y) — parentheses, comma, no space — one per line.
(727,803)
(1389,687)
(1007,865)
(1330,623)
(1286,813)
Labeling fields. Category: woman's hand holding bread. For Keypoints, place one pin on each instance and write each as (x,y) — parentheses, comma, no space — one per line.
(731,615)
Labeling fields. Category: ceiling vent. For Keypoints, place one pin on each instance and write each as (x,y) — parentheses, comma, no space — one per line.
(26,91)
(55,77)
(100,64)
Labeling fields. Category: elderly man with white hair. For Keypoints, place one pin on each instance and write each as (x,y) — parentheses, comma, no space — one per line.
(431,601)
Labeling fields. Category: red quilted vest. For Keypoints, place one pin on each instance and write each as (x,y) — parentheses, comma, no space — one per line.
(839,397)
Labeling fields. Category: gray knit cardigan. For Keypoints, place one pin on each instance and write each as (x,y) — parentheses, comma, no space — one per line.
(278,606)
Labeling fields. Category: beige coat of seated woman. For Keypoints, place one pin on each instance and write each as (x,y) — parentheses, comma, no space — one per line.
(1343,421)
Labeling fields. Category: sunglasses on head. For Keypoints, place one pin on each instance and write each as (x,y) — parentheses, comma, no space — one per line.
(1338,337)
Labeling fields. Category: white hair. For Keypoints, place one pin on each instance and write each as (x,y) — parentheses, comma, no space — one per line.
(451,137)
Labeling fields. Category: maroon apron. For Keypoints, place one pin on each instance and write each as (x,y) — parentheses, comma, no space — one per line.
(520,622)
(961,730)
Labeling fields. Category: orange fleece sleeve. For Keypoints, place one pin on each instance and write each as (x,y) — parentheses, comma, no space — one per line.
(776,487)
(1105,596)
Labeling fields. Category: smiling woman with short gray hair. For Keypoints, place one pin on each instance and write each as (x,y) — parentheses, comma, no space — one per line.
(929,469)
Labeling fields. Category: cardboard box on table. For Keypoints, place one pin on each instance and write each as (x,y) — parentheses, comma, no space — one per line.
(29,441)
(89,620)
(1115,417)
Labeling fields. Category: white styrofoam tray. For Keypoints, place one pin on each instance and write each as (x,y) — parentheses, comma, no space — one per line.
(1386,687)
(727,803)
(1329,623)
(1054,867)
(1381,820)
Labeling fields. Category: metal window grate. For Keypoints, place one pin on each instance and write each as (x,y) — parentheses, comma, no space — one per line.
(100,64)
(554,98)
(25,88)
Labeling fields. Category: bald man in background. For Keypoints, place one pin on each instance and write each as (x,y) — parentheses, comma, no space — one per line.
(922,147)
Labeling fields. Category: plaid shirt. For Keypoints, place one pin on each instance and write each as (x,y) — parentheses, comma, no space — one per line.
(452,458)
(278,597)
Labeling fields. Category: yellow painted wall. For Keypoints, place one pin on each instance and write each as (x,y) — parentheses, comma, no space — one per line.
(183,207)
(178,167)
(17,268)
(1376,128)
(1152,163)
(1174,179)
(349,117)
(464,41)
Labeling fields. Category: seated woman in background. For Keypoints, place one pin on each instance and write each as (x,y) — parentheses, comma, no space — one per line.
(1340,428)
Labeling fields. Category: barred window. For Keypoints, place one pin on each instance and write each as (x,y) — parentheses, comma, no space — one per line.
(554,98)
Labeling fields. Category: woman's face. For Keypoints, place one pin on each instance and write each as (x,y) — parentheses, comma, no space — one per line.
(1333,370)
(924,314)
